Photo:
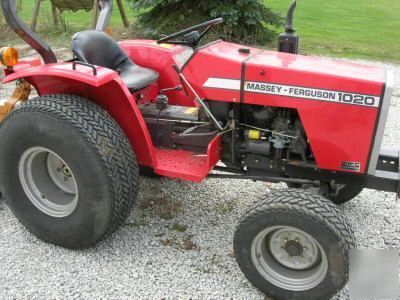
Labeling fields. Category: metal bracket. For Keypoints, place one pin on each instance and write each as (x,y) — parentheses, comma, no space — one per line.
(21,93)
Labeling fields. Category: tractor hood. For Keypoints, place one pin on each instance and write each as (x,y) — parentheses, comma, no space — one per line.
(230,72)
(338,102)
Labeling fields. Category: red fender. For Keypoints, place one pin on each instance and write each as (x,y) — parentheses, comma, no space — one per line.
(106,89)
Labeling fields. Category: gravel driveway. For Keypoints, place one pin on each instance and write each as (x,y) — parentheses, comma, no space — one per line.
(177,242)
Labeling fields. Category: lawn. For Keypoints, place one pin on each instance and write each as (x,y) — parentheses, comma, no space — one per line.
(339,28)
(346,28)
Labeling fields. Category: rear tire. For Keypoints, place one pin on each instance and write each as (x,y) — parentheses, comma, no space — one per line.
(148,172)
(67,170)
(294,244)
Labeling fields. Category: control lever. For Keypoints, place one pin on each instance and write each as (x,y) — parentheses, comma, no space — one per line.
(197,98)
(162,99)
(175,88)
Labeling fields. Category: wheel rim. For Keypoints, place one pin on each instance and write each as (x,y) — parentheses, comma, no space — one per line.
(48,182)
(289,258)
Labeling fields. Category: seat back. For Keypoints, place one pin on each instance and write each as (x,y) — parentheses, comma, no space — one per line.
(97,48)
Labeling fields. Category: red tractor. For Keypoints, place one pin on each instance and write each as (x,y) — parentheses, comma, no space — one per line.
(70,158)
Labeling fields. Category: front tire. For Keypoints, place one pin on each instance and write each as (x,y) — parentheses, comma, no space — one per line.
(345,193)
(67,170)
(294,244)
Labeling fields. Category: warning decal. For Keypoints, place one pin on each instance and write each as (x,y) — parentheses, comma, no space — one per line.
(294,91)
(350,166)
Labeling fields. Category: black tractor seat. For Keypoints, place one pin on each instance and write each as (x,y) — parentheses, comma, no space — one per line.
(97,48)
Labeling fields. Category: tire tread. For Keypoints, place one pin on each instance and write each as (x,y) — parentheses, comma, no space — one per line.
(305,204)
(96,127)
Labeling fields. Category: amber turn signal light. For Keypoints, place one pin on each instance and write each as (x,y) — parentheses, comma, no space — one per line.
(109,30)
(9,56)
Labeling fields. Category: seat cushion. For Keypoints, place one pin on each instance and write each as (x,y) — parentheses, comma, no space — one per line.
(97,48)
(136,77)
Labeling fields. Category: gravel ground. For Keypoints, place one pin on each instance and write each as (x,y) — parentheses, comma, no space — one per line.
(177,242)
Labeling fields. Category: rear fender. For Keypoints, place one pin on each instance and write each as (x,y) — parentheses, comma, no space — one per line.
(105,89)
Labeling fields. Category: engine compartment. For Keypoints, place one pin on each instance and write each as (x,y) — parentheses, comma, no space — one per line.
(254,136)
(262,135)
(273,132)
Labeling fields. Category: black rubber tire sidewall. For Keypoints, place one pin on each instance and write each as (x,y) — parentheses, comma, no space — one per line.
(91,219)
(334,246)
(148,172)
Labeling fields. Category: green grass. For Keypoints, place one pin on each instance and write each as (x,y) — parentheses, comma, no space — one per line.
(347,28)
(338,28)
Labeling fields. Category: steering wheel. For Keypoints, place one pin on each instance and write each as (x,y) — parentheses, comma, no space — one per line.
(191,36)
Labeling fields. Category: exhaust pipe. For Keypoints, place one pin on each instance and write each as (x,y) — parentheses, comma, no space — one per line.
(289,19)
(288,41)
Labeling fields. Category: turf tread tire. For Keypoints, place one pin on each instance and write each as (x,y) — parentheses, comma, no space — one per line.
(98,129)
(346,194)
(302,203)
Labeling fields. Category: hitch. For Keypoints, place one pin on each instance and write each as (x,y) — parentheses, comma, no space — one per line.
(21,93)
(289,41)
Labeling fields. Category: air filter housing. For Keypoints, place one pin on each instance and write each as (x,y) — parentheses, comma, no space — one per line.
(289,41)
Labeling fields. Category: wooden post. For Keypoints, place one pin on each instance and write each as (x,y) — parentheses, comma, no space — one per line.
(35,14)
(19,6)
(123,15)
(55,15)
(95,13)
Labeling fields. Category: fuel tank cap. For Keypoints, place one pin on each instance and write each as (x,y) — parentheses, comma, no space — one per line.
(245,50)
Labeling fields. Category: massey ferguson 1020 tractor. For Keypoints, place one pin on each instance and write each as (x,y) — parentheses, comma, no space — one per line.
(70,158)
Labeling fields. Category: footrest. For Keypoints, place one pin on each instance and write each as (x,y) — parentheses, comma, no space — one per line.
(181,164)
(188,165)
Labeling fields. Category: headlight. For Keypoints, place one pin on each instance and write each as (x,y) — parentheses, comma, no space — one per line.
(8,56)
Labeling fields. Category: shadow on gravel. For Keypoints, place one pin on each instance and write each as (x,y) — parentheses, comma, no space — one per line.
(1,203)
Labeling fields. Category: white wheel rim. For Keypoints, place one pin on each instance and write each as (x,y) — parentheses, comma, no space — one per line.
(289,258)
(48,182)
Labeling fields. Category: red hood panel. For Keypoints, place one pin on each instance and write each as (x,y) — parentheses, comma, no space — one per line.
(297,63)
(338,102)
(224,60)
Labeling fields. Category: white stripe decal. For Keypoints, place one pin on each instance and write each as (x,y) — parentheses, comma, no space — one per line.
(294,91)
(222,83)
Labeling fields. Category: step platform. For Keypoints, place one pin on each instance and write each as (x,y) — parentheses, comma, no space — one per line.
(188,165)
